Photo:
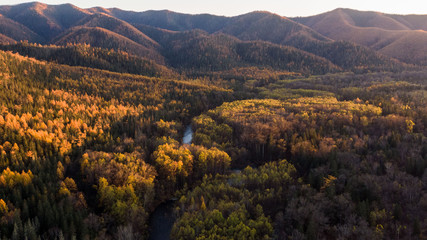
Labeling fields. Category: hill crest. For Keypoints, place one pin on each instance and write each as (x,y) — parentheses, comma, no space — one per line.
(399,36)
(148,34)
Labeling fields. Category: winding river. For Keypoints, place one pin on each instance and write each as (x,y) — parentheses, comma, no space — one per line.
(162,219)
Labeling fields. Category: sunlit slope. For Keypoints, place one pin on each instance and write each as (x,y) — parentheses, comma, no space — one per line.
(401,37)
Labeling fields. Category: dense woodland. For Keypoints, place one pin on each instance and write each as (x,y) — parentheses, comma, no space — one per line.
(87,56)
(67,129)
(292,139)
(88,153)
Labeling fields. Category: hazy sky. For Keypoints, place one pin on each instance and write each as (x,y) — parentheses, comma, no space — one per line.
(235,7)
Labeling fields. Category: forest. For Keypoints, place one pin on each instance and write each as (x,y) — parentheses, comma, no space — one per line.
(291,137)
(90,154)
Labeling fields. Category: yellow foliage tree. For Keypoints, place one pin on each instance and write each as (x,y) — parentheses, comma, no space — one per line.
(3,207)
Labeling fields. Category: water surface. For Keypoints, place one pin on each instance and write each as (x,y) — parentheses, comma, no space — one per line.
(188,135)
(161,221)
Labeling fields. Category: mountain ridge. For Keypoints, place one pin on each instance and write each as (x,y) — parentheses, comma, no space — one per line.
(399,36)
(149,35)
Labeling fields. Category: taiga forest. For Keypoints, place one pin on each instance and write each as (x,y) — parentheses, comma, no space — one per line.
(161,125)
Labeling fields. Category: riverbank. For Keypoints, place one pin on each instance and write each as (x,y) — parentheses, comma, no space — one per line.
(162,219)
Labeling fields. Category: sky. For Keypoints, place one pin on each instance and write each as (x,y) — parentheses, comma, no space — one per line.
(235,7)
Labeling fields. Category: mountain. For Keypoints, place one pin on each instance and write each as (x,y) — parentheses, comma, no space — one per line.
(170,20)
(280,30)
(269,27)
(45,20)
(401,37)
(103,38)
(17,31)
(118,26)
(350,56)
(255,25)
(197,50)
(206,42)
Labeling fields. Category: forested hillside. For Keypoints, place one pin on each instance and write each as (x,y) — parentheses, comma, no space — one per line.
(55,118)
(200,44)
(197,51)
(87,56)
(161,125)
(354,169)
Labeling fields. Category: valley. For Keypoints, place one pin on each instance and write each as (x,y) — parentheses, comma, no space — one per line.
(161,125)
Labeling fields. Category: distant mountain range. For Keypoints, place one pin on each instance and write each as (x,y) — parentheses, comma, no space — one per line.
(399,36)
(340,40)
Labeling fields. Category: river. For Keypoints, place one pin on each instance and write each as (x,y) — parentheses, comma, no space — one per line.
(162,219)
(188,135)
